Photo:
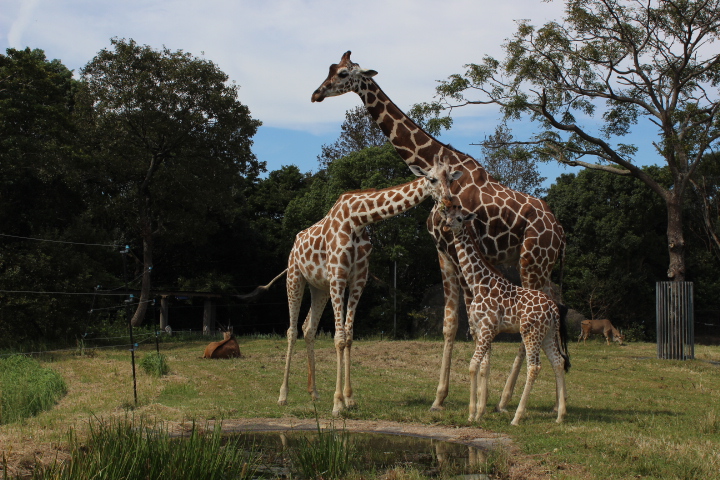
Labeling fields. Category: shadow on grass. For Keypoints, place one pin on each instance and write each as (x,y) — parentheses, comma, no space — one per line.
(614,415)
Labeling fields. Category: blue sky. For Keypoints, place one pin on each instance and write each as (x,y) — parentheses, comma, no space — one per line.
(278,52)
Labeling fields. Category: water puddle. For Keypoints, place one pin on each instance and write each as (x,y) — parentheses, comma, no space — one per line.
(373,452)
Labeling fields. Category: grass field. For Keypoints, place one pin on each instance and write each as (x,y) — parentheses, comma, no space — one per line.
(630,415)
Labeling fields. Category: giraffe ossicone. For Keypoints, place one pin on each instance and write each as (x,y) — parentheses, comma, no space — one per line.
(332,256)
(499,306)
(511,227)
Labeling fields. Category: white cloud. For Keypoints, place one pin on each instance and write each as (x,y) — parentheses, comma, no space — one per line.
(278,51)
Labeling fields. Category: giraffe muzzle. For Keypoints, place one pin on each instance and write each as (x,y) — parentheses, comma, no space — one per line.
(318,96)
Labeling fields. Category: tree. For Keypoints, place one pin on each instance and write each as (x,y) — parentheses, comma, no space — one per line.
(512,165)
(358,131)
(41,204)
(627,60)
(614,226)
(169,140)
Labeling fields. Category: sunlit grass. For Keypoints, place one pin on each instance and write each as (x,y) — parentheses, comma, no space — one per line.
(629,413)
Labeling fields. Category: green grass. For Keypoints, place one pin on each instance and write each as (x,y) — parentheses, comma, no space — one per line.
(155,363)
(629,414)
(131,449)
(27,388)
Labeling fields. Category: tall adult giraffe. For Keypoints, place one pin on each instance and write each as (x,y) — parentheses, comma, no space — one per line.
(513,228)
(332,256)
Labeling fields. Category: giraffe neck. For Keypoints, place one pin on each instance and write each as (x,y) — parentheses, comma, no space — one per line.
(386,203)
(477,271)
(413,143)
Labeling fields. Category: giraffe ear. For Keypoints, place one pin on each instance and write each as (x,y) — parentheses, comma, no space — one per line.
(455,175)
(366,72)
(417,171)
(470,217)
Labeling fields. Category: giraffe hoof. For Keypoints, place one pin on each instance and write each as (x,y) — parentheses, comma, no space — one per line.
(437,408)
(282,403)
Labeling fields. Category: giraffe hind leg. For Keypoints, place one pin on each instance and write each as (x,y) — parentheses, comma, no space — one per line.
(319,299)
(295,288)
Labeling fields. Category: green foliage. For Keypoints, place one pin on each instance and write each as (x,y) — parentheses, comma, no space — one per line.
(615,251)
(155,364)
(26,388)
(169,144)
(134,449)
(589,79)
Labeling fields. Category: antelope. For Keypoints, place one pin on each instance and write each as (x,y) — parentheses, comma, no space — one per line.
(227,348)
(603,326)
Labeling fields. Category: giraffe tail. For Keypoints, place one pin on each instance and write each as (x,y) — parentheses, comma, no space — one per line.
(261,288)
(564,335)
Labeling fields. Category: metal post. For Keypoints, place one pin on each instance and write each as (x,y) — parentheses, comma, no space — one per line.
(129,320)
(395,302)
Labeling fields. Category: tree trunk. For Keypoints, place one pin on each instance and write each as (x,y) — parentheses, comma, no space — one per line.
(139,315)
(676,239)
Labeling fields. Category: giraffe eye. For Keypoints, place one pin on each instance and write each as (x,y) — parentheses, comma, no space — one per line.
(343,74)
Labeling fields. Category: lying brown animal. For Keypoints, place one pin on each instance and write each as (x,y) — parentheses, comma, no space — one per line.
(227,348)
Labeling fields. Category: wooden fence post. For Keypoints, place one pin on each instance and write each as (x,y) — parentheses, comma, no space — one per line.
(209,317)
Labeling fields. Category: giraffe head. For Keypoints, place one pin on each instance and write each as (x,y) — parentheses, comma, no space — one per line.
(344,77)
(454,219)
(440,178)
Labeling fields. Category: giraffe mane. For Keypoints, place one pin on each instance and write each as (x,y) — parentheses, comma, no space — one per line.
(446,145)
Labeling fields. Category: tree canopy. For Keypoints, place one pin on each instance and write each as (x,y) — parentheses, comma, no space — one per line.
(168,139)
(588,80)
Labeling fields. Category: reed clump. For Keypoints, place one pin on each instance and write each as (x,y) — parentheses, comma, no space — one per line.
(27,388)
(134,449)
(155,364)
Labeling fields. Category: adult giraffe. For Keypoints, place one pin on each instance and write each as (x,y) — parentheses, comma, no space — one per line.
(331,257)
(513,228)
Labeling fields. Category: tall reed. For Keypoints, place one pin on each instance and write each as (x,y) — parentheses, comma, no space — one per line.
(26,388)
(325,455)
(136,450)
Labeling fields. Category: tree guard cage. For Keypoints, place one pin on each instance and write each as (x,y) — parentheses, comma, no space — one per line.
(675,320)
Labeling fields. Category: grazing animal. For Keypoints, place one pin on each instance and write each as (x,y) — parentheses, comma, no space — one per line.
(331,257)
(512,227)
(588,327)
(227,348)
(500,306)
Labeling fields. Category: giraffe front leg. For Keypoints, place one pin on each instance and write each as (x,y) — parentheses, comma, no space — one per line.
(338,399)
(484,375)
(450,325)
(348,391)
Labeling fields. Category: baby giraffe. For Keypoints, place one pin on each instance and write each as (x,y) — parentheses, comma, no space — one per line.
(499,305)
(332,256)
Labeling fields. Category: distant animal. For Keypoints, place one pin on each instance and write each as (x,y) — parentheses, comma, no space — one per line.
(603,326)
(227,348)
